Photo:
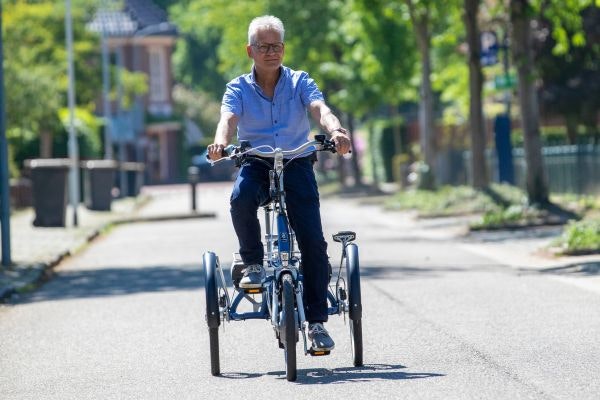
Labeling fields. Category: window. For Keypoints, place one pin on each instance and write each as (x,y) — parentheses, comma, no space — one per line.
(158,75)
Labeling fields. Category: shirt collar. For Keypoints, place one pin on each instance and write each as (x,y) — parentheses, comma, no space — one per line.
(283,74)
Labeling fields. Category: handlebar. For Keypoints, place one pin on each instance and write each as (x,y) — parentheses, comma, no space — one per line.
(231,152)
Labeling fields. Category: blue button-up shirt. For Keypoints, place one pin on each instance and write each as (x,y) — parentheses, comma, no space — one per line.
(281,121)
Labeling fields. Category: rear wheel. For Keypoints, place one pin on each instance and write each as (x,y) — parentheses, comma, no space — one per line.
(213,318)
(289,328)
(354,302)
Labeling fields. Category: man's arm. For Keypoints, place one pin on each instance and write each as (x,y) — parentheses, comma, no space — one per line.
(330,124)
(226,128)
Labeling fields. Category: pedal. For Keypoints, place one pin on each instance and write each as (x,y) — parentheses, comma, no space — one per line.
(318,353)
(253,290)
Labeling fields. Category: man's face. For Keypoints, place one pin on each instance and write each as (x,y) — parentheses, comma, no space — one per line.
(267,51)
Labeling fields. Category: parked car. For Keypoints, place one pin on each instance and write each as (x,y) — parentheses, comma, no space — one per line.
(222,171)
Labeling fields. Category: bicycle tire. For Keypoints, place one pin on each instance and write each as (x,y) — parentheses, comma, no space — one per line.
(289,327)
(213,318)
(355,303)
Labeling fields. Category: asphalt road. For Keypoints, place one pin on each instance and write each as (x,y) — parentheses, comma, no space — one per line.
(125,320)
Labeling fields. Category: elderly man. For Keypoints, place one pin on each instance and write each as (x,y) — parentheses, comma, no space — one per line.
(268,106)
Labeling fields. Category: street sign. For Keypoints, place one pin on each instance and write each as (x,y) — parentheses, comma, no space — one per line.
(504,81)
(489,48)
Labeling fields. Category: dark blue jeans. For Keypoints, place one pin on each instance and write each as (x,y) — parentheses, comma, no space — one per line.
(251,189)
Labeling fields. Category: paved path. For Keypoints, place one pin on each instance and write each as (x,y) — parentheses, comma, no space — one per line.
(125,319)
(36,250)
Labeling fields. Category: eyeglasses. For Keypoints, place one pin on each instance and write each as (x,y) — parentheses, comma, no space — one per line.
(265,47)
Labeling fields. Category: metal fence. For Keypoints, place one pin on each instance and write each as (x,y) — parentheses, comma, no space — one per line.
(570,169)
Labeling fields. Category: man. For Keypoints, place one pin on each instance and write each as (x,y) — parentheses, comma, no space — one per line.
(268,107)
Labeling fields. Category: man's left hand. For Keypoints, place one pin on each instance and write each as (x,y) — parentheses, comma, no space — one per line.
(342,142)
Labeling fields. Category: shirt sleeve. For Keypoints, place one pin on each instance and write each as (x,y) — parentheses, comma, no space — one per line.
(310,91)
(232,99)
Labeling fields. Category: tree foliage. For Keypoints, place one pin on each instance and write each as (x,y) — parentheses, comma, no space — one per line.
(35,67)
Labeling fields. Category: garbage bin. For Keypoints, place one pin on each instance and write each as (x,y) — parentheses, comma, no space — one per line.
(98,180)
(49,188)
(134,177)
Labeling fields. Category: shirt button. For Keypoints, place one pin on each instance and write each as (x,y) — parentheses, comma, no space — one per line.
(275,121)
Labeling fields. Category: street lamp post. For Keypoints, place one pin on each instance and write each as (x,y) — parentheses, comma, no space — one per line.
(4,179)
(73,147)
(108,151)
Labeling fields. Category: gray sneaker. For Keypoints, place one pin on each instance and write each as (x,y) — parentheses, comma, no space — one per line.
(254,275)
(318,335)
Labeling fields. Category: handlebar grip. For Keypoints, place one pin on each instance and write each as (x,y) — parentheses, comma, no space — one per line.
(226,152)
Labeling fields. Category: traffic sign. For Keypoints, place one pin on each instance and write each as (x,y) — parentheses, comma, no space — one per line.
(504,81)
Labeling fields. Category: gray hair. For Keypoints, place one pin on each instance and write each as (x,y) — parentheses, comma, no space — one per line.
(265,22)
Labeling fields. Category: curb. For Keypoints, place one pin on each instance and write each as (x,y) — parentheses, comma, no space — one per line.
(159,218)
(36,274)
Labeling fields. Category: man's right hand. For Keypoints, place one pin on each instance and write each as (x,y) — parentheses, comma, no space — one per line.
(215,151)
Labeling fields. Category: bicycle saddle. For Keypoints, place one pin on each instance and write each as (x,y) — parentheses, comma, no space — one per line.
(344,236)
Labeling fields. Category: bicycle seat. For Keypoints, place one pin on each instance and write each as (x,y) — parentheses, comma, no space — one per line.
(344,236)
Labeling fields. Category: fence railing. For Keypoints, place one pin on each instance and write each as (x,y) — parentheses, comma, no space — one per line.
(569,169)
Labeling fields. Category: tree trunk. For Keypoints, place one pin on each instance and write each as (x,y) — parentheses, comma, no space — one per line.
(45,144)
(373,150)
(571,122)
(355,165)
(476,121)
(537,187)
(426,119)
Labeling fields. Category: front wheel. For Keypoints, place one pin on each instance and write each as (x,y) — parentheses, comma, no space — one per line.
(213,318)
(289,328)
(355,303)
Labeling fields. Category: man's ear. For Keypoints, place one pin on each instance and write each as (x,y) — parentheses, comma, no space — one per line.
(249,51)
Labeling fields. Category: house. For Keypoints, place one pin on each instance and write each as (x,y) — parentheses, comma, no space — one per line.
(140,38)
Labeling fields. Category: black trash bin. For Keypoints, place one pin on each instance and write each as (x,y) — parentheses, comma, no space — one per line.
(134,177)
(49,189)
(98,180)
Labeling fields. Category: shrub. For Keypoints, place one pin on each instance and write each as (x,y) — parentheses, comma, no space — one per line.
(581,236)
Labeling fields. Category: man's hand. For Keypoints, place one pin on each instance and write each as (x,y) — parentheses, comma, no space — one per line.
(215,151)
(341,140)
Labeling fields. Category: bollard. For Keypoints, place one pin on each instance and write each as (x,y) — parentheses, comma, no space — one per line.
(193,178)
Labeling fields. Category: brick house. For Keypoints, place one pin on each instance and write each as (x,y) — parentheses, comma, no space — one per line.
(140,38)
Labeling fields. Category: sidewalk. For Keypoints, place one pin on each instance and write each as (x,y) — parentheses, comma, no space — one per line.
(35,251)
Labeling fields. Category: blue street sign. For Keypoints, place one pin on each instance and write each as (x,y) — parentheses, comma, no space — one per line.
(489,48)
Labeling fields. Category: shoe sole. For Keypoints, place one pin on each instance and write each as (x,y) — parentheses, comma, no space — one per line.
(322,348)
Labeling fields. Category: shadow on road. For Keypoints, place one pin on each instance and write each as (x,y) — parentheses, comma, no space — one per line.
(318,376)
(370,271)
(575,269)
(116,281)
(369,372)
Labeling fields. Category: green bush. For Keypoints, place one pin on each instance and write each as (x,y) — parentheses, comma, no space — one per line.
(581,236)
(447,200)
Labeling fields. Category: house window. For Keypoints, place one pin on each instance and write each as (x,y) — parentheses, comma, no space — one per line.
(158,75)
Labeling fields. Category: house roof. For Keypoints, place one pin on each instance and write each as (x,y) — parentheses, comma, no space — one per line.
(151,19)
(137,18)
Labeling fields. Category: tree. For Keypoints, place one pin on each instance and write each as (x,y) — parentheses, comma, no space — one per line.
(571,81)
(36,72)
(476,122)
(420,12)
(521,45)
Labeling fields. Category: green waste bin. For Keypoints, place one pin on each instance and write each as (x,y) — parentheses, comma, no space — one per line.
(49,189)
(98,181)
